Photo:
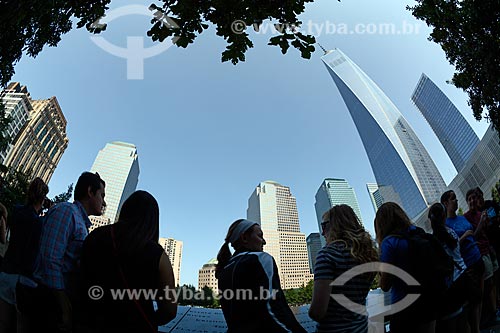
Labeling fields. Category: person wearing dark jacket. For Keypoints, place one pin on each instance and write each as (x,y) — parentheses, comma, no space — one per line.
(251,296)
(18,264)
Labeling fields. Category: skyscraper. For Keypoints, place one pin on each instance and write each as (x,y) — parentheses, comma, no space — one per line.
(403,169)
(334,191)
(17,102)
(313,247)
(38,133)
(453,131)
(206,276)
(375,196)
(173,249)
(274,207)
(118,166)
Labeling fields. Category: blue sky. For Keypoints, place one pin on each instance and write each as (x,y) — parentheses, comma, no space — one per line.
(208,132)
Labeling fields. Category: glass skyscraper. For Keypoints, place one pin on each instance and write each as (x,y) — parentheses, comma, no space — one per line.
(375,197)
(403,169)
(453,131)
(118,166)
(313,246)
(334,191)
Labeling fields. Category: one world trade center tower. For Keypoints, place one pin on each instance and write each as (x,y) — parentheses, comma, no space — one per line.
(403,169)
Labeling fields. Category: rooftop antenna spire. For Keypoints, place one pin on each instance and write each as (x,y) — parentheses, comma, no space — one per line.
(324,50)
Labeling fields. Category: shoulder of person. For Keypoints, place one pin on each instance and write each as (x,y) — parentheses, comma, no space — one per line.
(263,258)
(335,247)
(98,234)
(62,207)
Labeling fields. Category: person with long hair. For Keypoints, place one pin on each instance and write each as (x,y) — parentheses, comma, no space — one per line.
(251,270)
(390,222)
(451,315)
(470,253)
(25,229)
(127,255)
(348,245)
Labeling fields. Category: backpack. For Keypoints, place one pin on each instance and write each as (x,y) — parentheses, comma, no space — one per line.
(430,265)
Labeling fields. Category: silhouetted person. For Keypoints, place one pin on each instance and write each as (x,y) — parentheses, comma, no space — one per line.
(25,227)
(391,221)
(249,268)
(348,245)
(52,304)
(470,253)
(127,255)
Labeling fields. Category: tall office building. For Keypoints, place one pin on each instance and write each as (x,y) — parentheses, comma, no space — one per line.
(334,191)
(274,207)
(375,196)
(313,246)
(117,164)
(206,276)
(38,133)
(402,167)
(17,103)
(453,131)
(173,248)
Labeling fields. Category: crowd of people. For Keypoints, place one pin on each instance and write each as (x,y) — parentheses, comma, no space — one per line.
(52,264)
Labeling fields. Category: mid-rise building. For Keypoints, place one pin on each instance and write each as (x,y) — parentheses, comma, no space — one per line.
(38,133)
(313,246)
(449,125)
(403,169)
(173,249)
(482,169)
(118,165)
(206,276)
(375,196)
(334,191)
(275,209)
(98,221)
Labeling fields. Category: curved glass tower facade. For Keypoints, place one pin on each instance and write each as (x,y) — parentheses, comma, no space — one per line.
(451,128)
(118,165)
(403,169)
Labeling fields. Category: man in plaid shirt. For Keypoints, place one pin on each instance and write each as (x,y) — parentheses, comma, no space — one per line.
(57,266)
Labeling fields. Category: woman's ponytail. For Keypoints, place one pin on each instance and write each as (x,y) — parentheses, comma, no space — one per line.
(224,253)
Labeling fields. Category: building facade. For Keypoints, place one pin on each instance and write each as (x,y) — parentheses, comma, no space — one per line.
(482,169)
(275,209)
(403,169)
(118,165)
(206,276)
(375,196)
(313,246)
(38,133)
(173,249)
(334,191)
(455,134)
(17,103)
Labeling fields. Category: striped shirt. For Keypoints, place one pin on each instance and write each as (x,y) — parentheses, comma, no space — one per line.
(333,260)
(63,231)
